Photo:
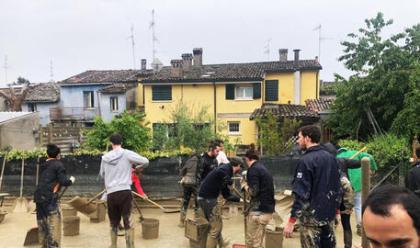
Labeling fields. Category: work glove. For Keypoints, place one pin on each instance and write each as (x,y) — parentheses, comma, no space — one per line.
(233,198)
(72,179)
(244,185)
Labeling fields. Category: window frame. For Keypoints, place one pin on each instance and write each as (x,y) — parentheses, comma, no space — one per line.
(159,98)
(89,99)
(113,101)
(244,87)
(234,132)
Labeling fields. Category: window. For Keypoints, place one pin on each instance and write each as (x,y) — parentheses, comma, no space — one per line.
(169,130)
(243,92)
(233,127)
(88,99)
(161,93)
(32,107)
(271,90)
(114,103)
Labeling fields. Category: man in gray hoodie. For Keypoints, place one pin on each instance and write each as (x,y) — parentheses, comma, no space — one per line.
(116,170)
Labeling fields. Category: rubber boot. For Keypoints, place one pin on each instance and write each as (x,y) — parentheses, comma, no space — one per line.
(129,238)
(359,229)
(182,220)
(222,242)
(114,237)
(55,230)
(348,239)
(211,242)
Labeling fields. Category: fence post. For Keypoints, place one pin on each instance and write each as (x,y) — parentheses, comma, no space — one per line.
(365,192)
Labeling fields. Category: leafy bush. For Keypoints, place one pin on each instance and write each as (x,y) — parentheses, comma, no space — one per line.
(135,135)
(388,150)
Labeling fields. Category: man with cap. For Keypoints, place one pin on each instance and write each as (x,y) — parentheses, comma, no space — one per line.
(216,182)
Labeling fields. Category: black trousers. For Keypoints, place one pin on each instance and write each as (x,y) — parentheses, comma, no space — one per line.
(119,206)
(189,190)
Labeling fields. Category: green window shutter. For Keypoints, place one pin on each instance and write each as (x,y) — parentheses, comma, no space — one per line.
(230,91)
(256,90)
(161,92)
(271,90)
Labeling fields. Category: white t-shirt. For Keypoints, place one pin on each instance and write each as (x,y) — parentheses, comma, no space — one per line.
(221,158)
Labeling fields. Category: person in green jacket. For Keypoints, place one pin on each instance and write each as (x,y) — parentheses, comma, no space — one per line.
(355,176)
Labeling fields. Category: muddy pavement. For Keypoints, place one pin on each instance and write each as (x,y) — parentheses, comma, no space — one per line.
(13,230)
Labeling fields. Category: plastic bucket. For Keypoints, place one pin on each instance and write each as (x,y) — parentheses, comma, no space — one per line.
(150,228)
(71,225)
(68,210)
(274,239)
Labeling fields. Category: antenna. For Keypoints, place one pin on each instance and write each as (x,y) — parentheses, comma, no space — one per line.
(320,39)
(51,71)
(154,38)
(267,48)
(5,67)
(131,37)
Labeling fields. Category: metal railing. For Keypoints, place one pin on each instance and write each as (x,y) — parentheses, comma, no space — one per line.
(73,113)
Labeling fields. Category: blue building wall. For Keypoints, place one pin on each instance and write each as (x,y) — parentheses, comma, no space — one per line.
(105,106)
(43,110)
(72,96)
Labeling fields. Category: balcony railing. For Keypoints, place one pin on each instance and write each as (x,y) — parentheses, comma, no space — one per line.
(73,113)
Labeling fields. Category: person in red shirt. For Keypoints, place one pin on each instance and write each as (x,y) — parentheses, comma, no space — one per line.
(136,174)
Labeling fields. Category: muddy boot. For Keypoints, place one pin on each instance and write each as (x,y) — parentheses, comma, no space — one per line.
(211,242)
(129,238)
(113,238)
(359,229)
(182,220)
(121,230)
(223,243)
(348,239)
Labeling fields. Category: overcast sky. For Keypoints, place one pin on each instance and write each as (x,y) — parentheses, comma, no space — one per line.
(80,35)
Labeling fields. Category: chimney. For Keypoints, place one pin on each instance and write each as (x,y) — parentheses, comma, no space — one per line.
(296,51)
(143,64)
(187,61)
(176,68)
(198,56)
(283,54)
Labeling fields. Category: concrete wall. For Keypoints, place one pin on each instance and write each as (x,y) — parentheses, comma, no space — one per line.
(105,106)
(43,110)
(20,133)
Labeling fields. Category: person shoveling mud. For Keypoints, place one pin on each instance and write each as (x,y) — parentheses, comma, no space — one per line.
(46,198)
(116,170)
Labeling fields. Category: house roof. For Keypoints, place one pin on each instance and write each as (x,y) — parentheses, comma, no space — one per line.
(7,116)
(117,88)
(284,111)
(319,105)
(231,72)
(105,76)
(43,92)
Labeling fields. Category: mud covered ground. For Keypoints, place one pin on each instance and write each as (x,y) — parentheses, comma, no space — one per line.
(13,230)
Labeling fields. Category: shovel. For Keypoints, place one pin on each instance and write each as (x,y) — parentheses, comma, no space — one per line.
(165,210)
(2,171)
(32,237)
(83,206)
(138,210)
(21,203)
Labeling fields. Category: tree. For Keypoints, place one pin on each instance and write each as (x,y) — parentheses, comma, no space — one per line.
(135,135)
(369,101)
(14,97)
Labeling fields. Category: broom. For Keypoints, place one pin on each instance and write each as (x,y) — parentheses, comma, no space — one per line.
(21,203)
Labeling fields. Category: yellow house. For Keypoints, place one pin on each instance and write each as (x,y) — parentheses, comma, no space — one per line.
(230,92)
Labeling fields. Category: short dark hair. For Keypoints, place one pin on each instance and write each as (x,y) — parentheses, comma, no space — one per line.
(236,161)
(219,142)
(53,150)
(312,132)
(212,146)
(252,154)
(116,139)
(381,199)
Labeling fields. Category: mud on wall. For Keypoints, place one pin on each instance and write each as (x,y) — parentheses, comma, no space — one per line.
(160,179)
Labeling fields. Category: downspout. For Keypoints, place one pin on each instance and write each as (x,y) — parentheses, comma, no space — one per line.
(99,103)
(215,109)
(144,99)
(317,82)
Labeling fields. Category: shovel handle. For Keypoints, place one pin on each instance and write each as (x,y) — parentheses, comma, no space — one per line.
(96,196)
(147,199)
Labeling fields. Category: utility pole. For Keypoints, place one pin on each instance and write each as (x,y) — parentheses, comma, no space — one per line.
(154,39)
(5,67)
(131,37)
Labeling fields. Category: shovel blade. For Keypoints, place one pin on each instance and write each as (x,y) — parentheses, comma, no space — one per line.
(21,205)
(31,237)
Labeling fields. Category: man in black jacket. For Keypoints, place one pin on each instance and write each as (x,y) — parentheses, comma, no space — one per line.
(208,160)
(317,192)
(260,188)
(216,182)
(46,198)
(412,180)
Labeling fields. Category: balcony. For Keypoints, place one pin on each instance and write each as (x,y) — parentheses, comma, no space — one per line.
(73,113)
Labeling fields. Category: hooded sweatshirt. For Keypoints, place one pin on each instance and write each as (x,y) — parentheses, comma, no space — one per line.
(116,169)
